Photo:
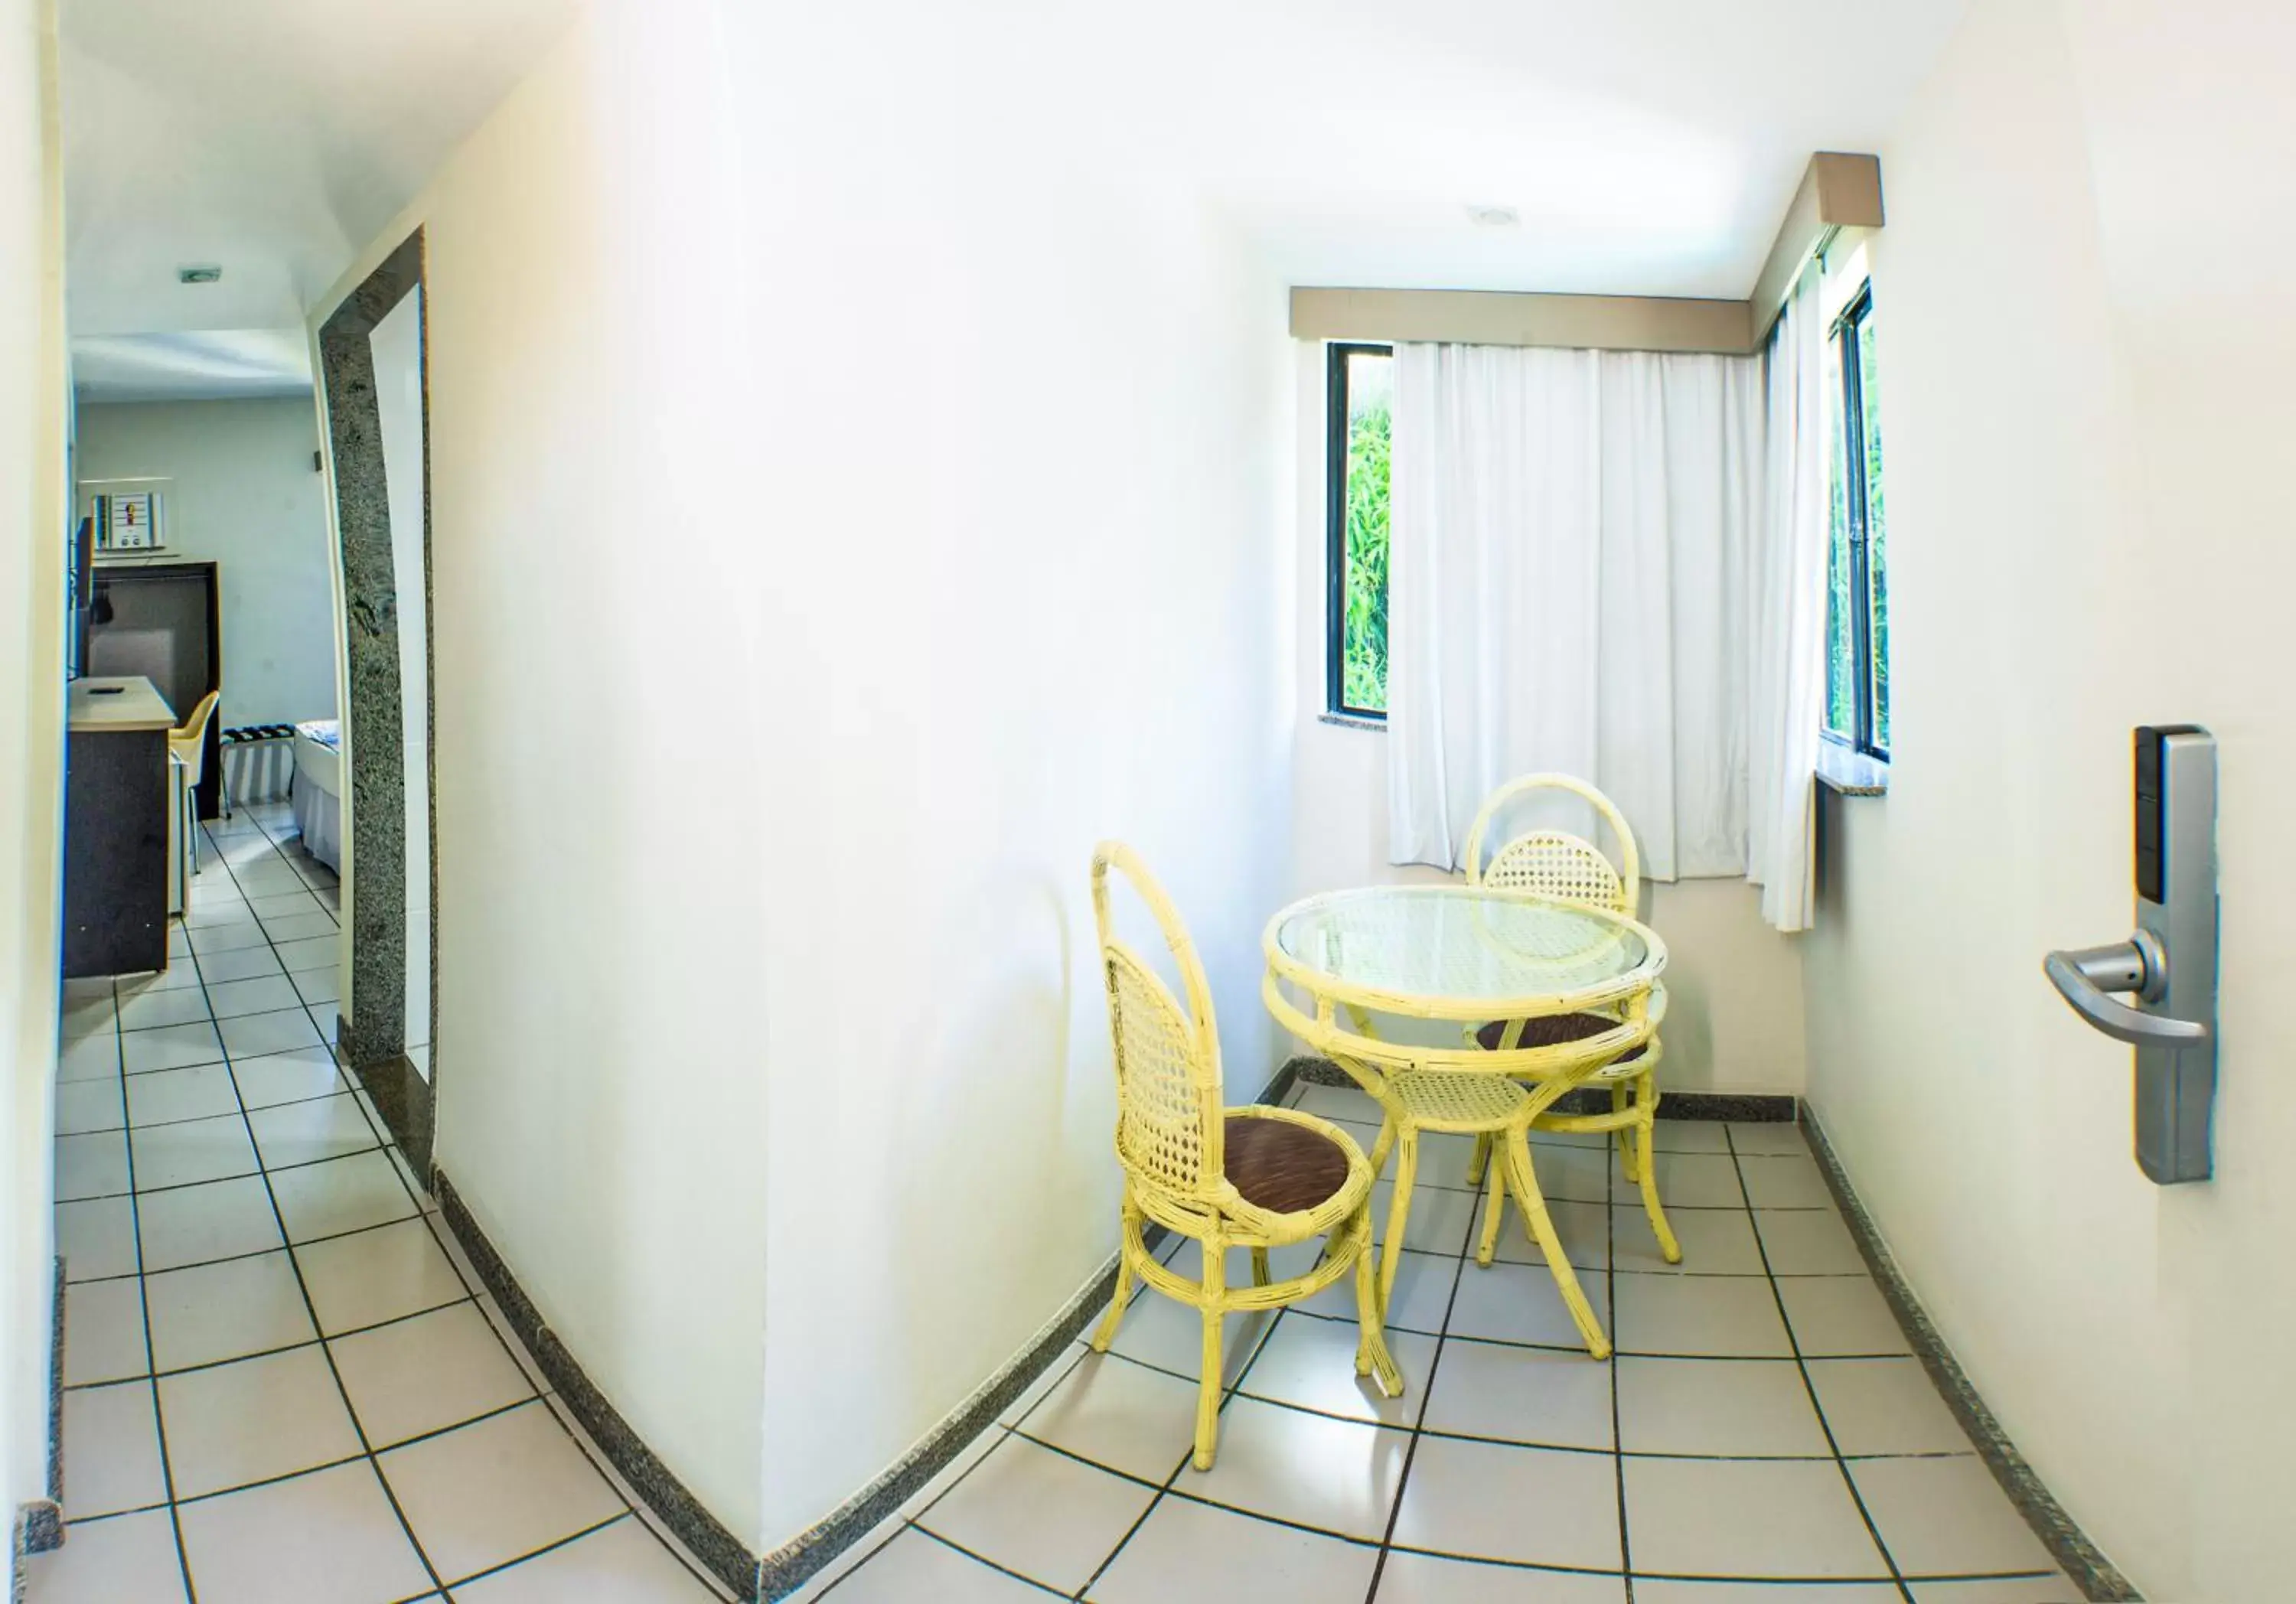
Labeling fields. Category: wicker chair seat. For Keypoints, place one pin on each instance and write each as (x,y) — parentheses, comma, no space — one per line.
(1281,1167)
(1553,1030)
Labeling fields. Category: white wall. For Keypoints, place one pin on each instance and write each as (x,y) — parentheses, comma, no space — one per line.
(33,389)
(2085,337)
(1734,985)
(600,1068)
(245,496)
(919,545)
(1023,423)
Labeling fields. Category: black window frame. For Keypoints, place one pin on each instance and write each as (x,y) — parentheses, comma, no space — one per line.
(1335,526)
(1864,737)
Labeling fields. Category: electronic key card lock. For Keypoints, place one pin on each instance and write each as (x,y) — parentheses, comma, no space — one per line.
(2169,967)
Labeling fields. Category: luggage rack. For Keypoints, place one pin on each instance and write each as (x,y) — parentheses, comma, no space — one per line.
(248,735)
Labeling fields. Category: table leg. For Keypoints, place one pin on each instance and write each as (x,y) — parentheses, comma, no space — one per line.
(1525,1185)
(1398,1211)
(1494,1208)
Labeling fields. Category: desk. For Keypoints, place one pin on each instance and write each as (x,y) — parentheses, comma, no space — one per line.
(118,814)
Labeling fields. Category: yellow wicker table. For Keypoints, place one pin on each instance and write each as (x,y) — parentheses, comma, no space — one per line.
(1462,953)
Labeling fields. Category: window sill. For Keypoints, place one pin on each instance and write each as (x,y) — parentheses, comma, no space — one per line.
(1352,721)
(1851,773)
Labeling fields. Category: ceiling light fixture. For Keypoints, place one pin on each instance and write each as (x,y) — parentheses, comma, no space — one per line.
(1494,216)
(198,275)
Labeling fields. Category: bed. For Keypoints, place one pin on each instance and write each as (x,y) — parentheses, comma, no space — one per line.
(317,792)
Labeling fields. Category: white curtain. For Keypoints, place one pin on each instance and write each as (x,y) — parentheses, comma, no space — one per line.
(1788,619)
(1567,589)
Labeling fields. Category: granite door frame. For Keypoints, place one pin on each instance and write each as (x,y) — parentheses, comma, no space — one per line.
(371,1039)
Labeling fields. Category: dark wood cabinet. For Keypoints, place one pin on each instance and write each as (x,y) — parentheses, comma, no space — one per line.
(164,621)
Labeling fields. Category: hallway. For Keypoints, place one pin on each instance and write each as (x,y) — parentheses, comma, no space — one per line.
(341,1416)
(1764,1433)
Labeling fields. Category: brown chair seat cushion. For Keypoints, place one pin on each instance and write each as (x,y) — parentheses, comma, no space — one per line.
(1283,1168)
(1553,1030)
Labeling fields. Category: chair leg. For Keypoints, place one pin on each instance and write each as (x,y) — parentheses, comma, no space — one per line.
(1525,1182)
(1494,1208)
(1373,1358)
(1481,1161)
(1626,1134)
(1105,1332)
(1208,1382)
(1382,1145)
(1644,1135)
(1260,1266)
(1398,1212)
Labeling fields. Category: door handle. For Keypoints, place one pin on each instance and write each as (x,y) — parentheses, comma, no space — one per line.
(2084,976)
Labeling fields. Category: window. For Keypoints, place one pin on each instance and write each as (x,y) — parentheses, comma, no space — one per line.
(1858,570)
(1358,429)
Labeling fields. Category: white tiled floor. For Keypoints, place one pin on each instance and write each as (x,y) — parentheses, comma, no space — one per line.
(341,1420)
(1764,1434)
(285,1387)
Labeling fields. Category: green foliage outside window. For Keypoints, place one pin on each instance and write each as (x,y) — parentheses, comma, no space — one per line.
(1876,527)
(1841,665)
(1363,682)
(1857,567)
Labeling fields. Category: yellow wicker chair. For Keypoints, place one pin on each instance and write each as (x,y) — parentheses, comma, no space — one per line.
(187,744)
(1255,1177)
(1569,868)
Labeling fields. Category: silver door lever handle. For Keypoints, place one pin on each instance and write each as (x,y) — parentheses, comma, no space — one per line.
(2084,976)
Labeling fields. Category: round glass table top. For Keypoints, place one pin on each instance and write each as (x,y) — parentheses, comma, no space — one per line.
(1462,944)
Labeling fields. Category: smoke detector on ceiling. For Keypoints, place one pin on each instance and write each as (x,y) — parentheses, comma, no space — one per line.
(1494,216)
(198,275)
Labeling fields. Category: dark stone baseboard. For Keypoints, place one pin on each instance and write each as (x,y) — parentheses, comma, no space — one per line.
(2090,1570)
(39,1527)
(400,1096)
(40,1521)
(798,1561)
(703,1534)
(1745,1107)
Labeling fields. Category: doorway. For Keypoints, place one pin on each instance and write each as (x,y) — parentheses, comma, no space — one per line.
(376,403)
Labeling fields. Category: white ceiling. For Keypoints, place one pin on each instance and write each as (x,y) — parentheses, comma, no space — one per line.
(274,138)
(1649,146)
(196,365)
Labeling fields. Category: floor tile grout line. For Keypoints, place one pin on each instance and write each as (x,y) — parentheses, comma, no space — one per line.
(434,1225)
(160,1125)
(841,1577)
(272,1353)
(1186,1459)
(539,1395)
(233,1258)
(260,1168)
(1003,1435)
(1617,1436)
(1426,1396)
(358,1427)
(1470,1436)
(548,1547)
(1239,1388)
(1561,1348)
(1021,1576)
(1809,1385)
(144,1299)
(261,1481)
